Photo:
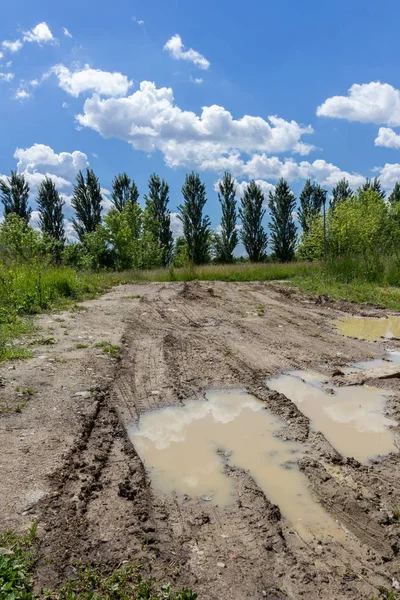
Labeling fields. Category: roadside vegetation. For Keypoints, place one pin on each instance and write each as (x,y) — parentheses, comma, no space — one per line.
(18,559)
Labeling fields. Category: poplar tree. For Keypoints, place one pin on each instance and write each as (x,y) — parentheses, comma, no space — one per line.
(281,204)
(374,185)
(252,212)
(14,194)
(306,208)
(159,216)
(50,208)
(196,226)
(86,201)
(341,192)
(394,197)
(227,240)
(124,190)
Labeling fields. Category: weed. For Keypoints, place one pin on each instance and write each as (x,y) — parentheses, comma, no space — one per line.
(396,514)
(17,562)
(49,341)
(25,391)
(112,351)
(79,346)
(133,297)
(260,310)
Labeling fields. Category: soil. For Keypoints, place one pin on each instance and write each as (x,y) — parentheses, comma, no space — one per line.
(66,459)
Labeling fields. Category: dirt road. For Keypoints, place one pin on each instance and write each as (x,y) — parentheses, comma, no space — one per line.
(66,458)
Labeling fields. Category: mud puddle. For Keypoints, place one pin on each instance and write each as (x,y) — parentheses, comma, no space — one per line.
(351,418)
(369,328)
(391,357)
(185,449)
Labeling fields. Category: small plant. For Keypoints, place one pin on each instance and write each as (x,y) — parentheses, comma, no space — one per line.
(260,310)
(79,346)
(49,341)
(112,351)
(25,391)
(133,297)
(396,514)
(16,563)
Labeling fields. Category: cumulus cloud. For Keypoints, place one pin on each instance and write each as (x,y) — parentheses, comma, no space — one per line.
(388,138)
(177,50)
(6,77)
(43,159)
(176,225)
(373,102)
(91,80)
(196,80)
(67,33)
(12,46)
(389,174)
(240,187)
(150,120)
(40,34)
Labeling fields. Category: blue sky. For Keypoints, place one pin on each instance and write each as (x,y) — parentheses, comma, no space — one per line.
(264,89)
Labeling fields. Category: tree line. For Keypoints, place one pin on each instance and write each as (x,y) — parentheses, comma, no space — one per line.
(130,236)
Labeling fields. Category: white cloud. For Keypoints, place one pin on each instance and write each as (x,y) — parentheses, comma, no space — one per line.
(177,50)
(176,226)
(196,80)
(35,179)
(138,21)
(65,105)
(388,138)
(12,46)
(43,159)
(240,187)
(373,102)
(40,34)
(66,32)
(149,120)
(1,55)
(67,198)
(106,202)
(6,76)
(22,95)
(91,80)
(34,82)
(70,232)
(389,174)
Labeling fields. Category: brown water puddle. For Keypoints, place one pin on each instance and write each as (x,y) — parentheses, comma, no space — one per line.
(369,328)
(184,449)
(351,418)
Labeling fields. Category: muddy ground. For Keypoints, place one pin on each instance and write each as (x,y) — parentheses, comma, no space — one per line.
(65,458)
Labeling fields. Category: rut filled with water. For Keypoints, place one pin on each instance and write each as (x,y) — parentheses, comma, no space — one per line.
(186,448)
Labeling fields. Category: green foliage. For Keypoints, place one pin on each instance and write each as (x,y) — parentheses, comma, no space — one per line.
(131,245)
(19,242)
(340,193)
(124,190)
(394,197)
(306,208)
(159,217)
(126,583)
(252,213)
(50,208)
(282,203)
(311,246)
(196,227)
(109,349)
(226,241)
(86,201)
(16,562)
(373,185)
(14,194)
